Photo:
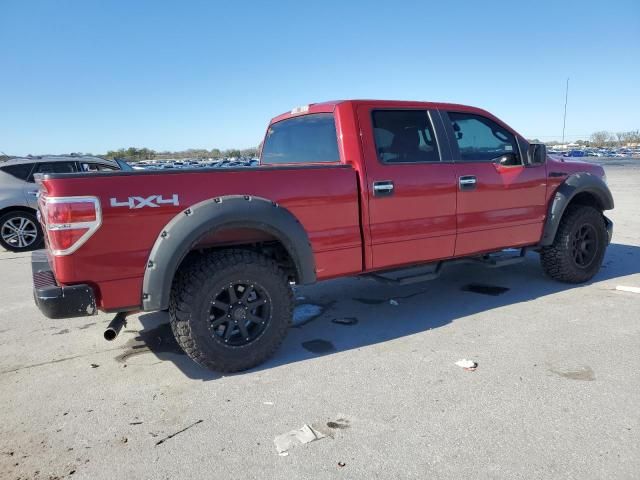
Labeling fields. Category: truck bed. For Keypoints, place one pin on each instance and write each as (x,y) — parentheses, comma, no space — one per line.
(324,198)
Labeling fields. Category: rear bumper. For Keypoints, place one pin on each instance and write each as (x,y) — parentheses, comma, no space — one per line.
(609,225)
(56,301)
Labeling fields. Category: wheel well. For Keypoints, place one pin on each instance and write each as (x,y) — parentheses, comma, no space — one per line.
(250,239)
(17,209)
(236,221)
(587,199)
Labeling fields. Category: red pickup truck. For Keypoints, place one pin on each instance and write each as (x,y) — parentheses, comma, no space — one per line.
(390,189)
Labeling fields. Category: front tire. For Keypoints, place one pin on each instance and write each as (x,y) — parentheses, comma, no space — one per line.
(578,249)
(231,310)
(20,231)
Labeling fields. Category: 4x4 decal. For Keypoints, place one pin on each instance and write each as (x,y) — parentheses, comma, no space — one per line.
(140,202)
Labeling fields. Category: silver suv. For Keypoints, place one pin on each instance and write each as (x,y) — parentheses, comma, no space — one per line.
(19,228)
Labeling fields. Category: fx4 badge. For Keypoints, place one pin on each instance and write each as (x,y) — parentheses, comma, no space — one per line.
(141,202)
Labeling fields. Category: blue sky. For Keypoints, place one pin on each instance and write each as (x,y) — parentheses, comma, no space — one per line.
(91,75)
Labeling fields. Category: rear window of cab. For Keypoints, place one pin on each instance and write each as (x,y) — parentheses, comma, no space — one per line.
(305,139)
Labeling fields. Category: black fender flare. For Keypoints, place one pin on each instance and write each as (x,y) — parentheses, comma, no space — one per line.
(572,186)
(185,229)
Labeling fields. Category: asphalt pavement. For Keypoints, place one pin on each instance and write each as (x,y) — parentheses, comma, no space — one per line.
(365,386)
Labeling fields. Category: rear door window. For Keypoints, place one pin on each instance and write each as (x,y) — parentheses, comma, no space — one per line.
(20,170)
(404,136)
(306,139)
(53,167)
(480,139)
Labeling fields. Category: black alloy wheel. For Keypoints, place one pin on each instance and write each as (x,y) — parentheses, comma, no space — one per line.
(579,246)
(231,309)
(584,245)
(240,313)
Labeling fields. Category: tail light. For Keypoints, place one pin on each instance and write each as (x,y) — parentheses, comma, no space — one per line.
(69,221)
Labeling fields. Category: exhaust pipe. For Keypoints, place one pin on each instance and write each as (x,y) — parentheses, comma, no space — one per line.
(119,321)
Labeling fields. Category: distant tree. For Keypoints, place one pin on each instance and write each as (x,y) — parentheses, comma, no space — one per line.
(624,138)
(132,154)
(232,153)
(135,154)
(115,154)
(249,152)
(600,139)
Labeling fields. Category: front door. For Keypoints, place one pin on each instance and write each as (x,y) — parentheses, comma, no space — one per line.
(501,198)
(410,187)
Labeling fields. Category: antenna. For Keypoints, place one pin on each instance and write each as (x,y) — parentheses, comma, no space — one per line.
(564,120)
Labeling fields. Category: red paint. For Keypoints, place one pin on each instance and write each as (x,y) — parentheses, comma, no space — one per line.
(505,204)
(351,230)
(418,222)
(324,200)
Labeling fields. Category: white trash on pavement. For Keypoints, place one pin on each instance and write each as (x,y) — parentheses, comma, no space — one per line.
(467,364)
(301,436)
(622,288)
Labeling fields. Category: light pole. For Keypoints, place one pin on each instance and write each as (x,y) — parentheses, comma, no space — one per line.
(564,120)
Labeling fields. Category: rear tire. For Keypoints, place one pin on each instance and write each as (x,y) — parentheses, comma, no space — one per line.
(578,249)
(231,310)
(20,231)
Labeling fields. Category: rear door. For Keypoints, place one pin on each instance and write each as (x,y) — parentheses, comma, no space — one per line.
(501,198)
(12,182)
(411,186)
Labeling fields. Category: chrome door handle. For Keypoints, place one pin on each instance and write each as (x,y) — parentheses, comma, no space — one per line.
(382,188)
(467,182)
(33,193)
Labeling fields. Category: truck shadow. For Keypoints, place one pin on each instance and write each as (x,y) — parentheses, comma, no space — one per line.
(358,312)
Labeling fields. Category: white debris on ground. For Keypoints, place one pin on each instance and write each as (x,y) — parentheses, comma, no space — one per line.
(305,434)
(305,312)
(467,364)
(623,288)
(394,302)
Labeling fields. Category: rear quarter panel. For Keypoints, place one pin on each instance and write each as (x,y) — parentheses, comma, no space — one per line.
(324,200)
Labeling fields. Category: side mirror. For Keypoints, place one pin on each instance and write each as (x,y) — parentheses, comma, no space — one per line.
(507,160)
(537,153)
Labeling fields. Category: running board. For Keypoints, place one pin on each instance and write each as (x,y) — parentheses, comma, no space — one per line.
(407,276)
(416,275)
(501,259)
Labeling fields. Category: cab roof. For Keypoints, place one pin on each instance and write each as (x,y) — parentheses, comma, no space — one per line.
(330,106)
